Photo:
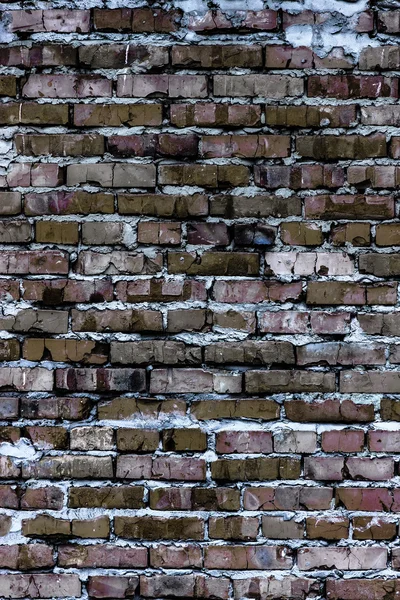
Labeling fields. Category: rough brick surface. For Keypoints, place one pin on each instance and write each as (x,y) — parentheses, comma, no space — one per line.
(199,321)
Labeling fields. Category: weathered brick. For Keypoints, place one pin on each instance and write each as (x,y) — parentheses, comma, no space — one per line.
(209,114)
(351,86)
(35,585)
(101,556)
(328,147)
(66,86)
(139,20)
(152,528)
(117,115)
(62,21)
(269,86)
(204,175)
(101,379)
(67,203)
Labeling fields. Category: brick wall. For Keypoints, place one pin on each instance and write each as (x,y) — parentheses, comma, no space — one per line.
(200,327)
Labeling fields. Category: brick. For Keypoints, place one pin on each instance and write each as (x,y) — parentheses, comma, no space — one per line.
(257,206)
(329,147)
(31,113)
(142,20)
(269,86)
(266,410)
(204,175)
(249,351)
(233,291)
(325,411)
(165,234)
(63,21)
(216,57)
(47,56)
(112,174)
(88,438)
(117,115)
(288,381)
(342,558)
(66,86)
(308,263)
(336,293)
(377,382)
(327,529)
(63,233)
(185,556)
(287,498)
(366,528)
(388,22)
(301,234)
(163,205)
(42,498)
(137,440)
(10,203)
(242,442)
(163,144)
(192,586)
(117,262)
(159,528)
(158,351)
(73,466)
(378,115)
(288,440)
(264,20)
(184,440)
(55,408)
(23,557)
(30,262)
(112,587)
(36,175)
(299,176)
(346,588)
(280,529)
(209,114)
(341,353)
(125,321)
(343,440)
(232,528)
(309,116)
(101,556)
(67,203)
(106,497)
(119,56)
(34,586)
(383,441)
(255,469)
(100,379)
(172,86)
(245,146)
(60,145)
(356,234)
(121,409)
(286,587)
(213,263)
(8,85)
(351,86)
(378,499)
(247,557)
(60,291)
(359,207)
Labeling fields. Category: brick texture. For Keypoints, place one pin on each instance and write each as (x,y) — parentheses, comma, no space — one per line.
(199,324)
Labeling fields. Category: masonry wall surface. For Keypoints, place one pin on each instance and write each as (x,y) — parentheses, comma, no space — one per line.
(200,319)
